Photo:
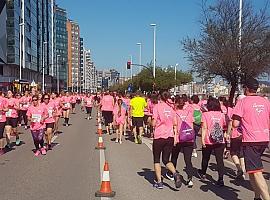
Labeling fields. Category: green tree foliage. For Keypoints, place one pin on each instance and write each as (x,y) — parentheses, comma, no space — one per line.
(217,51)
(164,80)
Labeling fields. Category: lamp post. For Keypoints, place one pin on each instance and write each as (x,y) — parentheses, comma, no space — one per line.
(58,81)
(140,54)
(131,75)
(43,68)
(154,51)
(240,41)
(21,56)
(175,71)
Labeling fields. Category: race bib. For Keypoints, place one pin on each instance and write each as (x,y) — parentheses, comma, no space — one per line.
(67,105)
(36,117)
(50,112)
(25,105)
(8,113)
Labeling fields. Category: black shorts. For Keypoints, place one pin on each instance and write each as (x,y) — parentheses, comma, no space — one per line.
(50,125)
(78,101)
(252,155)
(236,147)
(108,117)
(163,146)
(137,122)
(88,110)
(2,129)
(145,119)
(73,105)
(12,122)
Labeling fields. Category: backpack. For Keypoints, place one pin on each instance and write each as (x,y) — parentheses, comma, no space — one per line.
(216,134)
(197,117)
(186,133)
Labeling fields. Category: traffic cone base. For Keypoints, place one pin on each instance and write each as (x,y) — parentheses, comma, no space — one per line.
(100,194)
(100,143)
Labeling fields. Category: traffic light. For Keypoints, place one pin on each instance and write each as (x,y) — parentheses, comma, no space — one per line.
(128,65)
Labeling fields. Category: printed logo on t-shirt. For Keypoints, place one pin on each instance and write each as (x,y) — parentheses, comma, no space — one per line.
(167,113)
(258,108)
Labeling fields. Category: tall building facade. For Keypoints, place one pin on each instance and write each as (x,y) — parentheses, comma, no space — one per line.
(74,76)
(27,35)
(60,46)
(82,65)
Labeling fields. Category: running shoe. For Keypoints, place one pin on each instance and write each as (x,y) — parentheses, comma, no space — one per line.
(120,141)
(139,139)
(239,175)
(43,151)
(37,153)
(190,183)
(194,154)
(136,141)
(177,180)
(25,127)
(90,117)
(169,175)
(116,141)
(158,185)
(201,175)
(18,142)
(220,183)
(8,146)
(226,154)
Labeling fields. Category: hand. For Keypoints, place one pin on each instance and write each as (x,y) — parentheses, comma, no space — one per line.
(203,145)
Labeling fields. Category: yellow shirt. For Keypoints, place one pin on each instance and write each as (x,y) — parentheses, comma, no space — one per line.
(137,105)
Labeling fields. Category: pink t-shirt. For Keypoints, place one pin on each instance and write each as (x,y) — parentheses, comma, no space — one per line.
(73,99)
(107,103)
(3,105)
(236,132)
(36,114)
(66,102)
(210,118)
(51,110)
(119,119)
(149,108)
(254,112)
(88,101)
(185,115)
(25,102)
(165,120)
(13,105)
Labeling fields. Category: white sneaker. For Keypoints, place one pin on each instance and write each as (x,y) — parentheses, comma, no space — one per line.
(120,141)
(195,155)
(116,141)
(190,183)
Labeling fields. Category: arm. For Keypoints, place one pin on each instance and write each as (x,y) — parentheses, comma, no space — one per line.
(204,132)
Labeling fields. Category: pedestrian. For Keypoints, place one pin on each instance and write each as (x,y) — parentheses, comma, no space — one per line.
(12,119)
(66,107)
(213,122)
(137,106)
(252,114)
(37,115)
(3,119)
(25,102)
(185,138)
(88,104)
(164,121)
(50,120)
(119,114)
(57,102)
(73,103)
(107,106)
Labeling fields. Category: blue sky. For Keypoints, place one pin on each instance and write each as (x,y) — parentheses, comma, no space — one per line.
(111,29)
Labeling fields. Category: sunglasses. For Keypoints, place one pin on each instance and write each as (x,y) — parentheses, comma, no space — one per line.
(34,99)
(46,98)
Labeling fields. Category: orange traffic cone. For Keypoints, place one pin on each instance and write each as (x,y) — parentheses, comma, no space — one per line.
(105,189)
(100,144)
(99,129)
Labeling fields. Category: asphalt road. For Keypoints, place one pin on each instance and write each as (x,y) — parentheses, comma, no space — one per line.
(71,171)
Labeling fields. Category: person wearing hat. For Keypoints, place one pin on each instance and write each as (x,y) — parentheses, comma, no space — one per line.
(252,113)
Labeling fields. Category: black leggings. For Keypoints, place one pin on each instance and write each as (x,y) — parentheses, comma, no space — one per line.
(2,129)
(206,153)
(22,114)
(187,151)
(163,146)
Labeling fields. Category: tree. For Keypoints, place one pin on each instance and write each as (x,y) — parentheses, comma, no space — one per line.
(218,51)
(164,80)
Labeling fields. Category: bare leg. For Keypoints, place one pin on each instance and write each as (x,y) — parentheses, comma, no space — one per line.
(157,168)
(261,185)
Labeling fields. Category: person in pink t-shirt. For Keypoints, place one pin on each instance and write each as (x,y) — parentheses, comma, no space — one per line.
(88,104)
(185,138)
(119,118)
(164,122)
(50,121)
(37,115)
(25,102)
(148,112)
(213,122)
(3,110)
(107,105)
(253,112)
(66,106)
(57,102)
(73,103)
(12,119)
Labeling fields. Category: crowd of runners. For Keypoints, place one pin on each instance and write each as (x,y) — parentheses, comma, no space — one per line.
(176,124)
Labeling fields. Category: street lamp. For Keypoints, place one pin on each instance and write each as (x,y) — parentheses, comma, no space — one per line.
(43,68)
(175,71)
(131,75)
(154,53)
(22,63)
(57,65)
(240,40)
(140,54)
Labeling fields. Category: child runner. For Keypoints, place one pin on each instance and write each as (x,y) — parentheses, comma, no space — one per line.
(119,119)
